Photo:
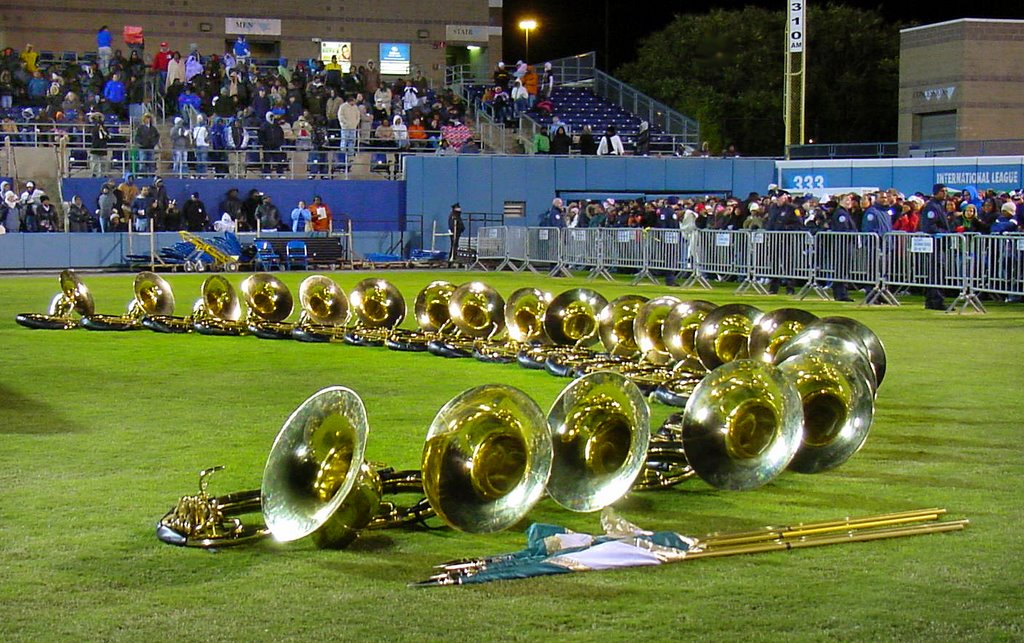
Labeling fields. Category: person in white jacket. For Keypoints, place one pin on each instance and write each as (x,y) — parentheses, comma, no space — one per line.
(520,98)
(201,140)
(610,143)
(401,133)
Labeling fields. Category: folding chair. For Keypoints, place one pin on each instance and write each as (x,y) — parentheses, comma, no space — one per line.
(296,255)
(266,258)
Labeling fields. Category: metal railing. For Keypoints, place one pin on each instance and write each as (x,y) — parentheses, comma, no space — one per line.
(912,149)
(961,264)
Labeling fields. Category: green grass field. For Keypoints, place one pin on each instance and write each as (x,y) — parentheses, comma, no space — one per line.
(103,431)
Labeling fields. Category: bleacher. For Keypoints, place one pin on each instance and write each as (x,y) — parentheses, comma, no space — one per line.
(577,107)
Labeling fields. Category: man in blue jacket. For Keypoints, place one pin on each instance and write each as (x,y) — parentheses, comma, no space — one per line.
(114,93)
(103,48)
(876,214)
(933,222)
(841,221)
(241,50)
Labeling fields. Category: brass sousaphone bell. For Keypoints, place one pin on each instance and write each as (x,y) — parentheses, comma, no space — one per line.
(477,312)
(524,322)
(679,334)
(742,425)
(378,307)
(432,318)
(74,296)
(218,310)
(833,375)
(269,303)
(315,483)
(152,296)
(486,459)
(615,326)
(775,328)
(324,310)
(571,321)
(600,430)
(724,334)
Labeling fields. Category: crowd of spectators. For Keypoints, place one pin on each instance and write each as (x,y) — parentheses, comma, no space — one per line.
(148,207)
(968,210)
(225,102)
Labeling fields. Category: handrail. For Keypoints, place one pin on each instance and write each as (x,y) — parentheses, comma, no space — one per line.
(912,149)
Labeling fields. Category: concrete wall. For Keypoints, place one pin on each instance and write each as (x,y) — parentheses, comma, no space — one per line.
(484,183)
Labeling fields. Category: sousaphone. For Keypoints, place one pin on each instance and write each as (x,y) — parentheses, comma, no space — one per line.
(325,310)
(571,321)
(432,318)
(524,322)
(742,425)
(872,343)
(679,333)
(152,296)
(486,459)
(615,326)
(218,311)
(775,328)
(378,307)
(269,303)
(724,334)
(74,297)
(477,312)
(600,430)
(315,483)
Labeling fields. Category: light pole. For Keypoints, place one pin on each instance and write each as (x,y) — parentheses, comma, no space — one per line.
(527,25)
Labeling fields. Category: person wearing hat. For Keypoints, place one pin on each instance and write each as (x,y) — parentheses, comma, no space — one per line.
(501,76)
(159,66)
(456,226)
(1006,222)
(196,217)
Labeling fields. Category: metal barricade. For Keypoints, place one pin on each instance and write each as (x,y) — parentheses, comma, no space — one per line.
(621,249)
(849,257)
(998,264)
(721,253)
(585,248)
(665,252)
(490,246)
(544,250)
(941,262)
(515,247)
(778,255)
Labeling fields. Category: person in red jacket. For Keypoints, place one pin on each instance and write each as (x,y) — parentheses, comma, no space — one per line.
(910,218)
(321,215)
(160,61)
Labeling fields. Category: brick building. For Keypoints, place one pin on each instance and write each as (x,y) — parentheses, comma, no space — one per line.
(437,33)
(962,80)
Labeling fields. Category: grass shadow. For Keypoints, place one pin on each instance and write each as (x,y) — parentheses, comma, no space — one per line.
(21,415)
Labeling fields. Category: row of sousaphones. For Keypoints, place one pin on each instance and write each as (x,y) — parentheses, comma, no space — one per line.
(762,392)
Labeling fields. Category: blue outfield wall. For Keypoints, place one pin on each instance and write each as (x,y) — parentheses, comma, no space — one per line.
(906,175)
(481,183)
